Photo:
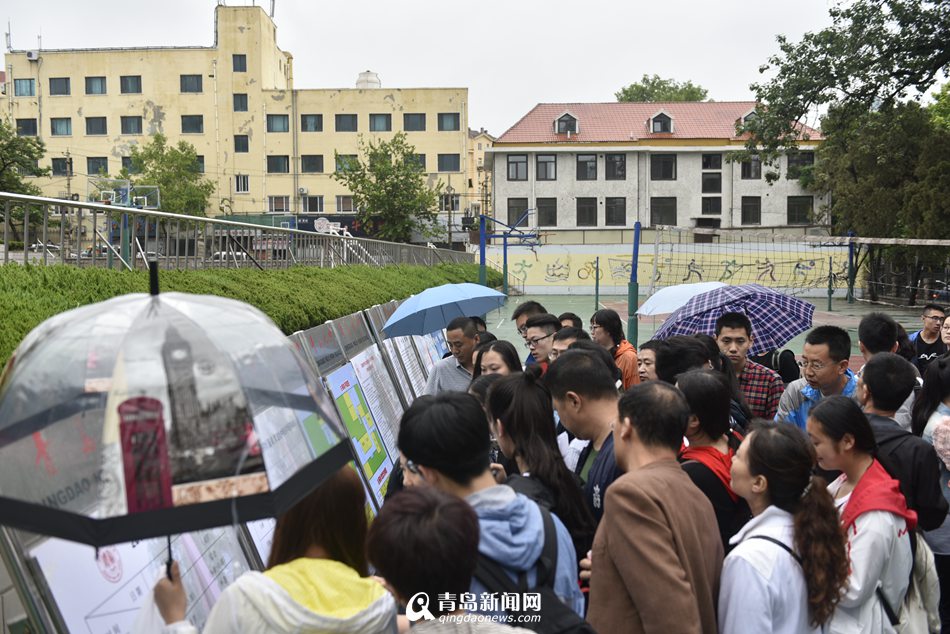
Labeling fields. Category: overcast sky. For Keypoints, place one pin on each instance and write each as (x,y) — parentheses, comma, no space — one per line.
(511,54)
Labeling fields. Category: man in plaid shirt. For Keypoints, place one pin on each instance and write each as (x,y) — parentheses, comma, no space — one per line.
(761,386)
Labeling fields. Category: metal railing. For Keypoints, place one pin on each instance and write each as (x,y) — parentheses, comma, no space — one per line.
(54,231)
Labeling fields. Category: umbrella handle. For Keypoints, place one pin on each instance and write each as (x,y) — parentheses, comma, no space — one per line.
(168,563)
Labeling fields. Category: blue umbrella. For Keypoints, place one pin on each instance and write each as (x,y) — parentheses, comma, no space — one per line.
(776,317)
(434,308)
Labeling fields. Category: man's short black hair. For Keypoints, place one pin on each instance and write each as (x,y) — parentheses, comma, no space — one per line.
(465,324)
(447,432)
(878,332)
(837,340)
(609,320)
(576,321)
(528,308)
(479,322)
(936,307)
(653,344)
(580,371)
(680,354)
(569,332)
(658,412)
(890,379)
(734,320)
(588,345)
(545,321)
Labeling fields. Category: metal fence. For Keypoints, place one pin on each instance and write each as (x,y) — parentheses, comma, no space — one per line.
(54,231)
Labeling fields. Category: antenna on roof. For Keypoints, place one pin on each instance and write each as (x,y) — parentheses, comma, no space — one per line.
(272,3)
(8,37)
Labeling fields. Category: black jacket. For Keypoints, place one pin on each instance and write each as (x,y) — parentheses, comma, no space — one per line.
(602,474)
(912,462)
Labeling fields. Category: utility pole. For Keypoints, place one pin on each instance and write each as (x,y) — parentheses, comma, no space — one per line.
(69,175)
(449,191)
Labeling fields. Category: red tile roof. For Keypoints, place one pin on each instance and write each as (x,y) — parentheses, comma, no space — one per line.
(629,122)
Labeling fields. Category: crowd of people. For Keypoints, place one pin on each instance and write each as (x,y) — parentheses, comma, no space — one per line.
(684,486)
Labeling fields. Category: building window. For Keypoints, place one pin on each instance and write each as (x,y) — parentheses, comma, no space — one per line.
(278,204)
(242,183)
(239,63)
(712,183)
(414,122)
(566,123)
(586,212)
(59,86)
(96,125)
(192,124)
(345,162)
(200,163)
(26,127)
(799,210)
(616,212)
(546,167)
(419,160)
(127,164)
(312,163)
(61,126)
(240,102)
(547,212)
(95,85)
(131,125)
(190,83)
(751,169)
(662,123)
(449,121)
(278,164)
(798,160)
(241,143)
(97,165)
(450,202)
(24,87)
(346,123)
(380,123)
(449,163)
(663,167)
(60,167)
(663,211)
(712,161)
(278,123)
(516,211)
(615,166)
(311,123)
(751,210)
(313,204)
(586,167)
(130,84)
(712,206)
(344,203)
(517,167)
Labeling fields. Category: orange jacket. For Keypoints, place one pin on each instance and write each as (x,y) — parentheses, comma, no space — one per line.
(625,356)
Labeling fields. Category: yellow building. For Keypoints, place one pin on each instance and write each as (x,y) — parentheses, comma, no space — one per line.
(479,174)
(266,145)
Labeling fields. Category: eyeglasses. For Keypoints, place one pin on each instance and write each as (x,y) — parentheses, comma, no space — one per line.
(523,330)
(411,467)
(554,354)
(934,317)
(813,365)
(594,327)
(533,343)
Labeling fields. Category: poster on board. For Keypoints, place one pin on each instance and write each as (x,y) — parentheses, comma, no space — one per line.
(398,365)
(105,593)
(427,351)
(374,461)
(415,370)
(380,392)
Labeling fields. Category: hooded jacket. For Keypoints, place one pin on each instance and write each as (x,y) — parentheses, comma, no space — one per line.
(799,398)
(625,356)
(512,534)
(305,596)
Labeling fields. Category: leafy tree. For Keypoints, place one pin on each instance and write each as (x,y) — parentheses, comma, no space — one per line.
(389,189)
(19,156)
(656,88)
(175,171)
(940,109)
(875,53)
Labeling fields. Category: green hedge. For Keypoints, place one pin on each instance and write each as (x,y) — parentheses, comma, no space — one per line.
(295,298)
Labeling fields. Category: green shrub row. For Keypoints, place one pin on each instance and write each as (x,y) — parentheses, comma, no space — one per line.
(296,299)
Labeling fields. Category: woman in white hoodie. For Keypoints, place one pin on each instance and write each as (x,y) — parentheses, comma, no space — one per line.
(789,566)
(316,578)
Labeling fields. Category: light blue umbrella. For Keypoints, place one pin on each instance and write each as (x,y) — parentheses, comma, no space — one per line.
(434,308)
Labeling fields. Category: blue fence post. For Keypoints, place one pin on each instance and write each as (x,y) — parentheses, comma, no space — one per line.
(482,272)
(633,287)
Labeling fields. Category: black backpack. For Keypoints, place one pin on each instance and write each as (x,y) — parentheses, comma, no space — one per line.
(556,617)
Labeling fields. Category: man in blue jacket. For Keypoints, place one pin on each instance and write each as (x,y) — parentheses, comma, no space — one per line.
(444,442)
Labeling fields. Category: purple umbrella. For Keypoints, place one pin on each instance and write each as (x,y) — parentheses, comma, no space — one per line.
(776,318)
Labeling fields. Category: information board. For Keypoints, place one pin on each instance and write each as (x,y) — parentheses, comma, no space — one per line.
(324,348)
(427,351)
(105,593)
(353,333)
(406,349)
(377,316)
(360,425)
(380,392)
(398,365)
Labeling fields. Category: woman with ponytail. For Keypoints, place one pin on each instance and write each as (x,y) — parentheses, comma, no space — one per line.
(522,420)
(789,566)
(874,516)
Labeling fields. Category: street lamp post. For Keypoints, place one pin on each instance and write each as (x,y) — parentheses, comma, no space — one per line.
(449,191)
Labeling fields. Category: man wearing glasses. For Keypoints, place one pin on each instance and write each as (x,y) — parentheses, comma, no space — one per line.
(523,312)
(825,372)
(539,332)
(455,373)
(927,342)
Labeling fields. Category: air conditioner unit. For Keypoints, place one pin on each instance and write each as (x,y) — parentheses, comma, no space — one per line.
(302,191)
(33,56)
(74,197)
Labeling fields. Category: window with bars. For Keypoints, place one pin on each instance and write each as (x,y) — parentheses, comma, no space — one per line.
(586,167)
(663,211)
(547,211)
(586,212)
(131,125)
(615,211)
(311,123)
(546,167)
(517,167)
(751,210)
